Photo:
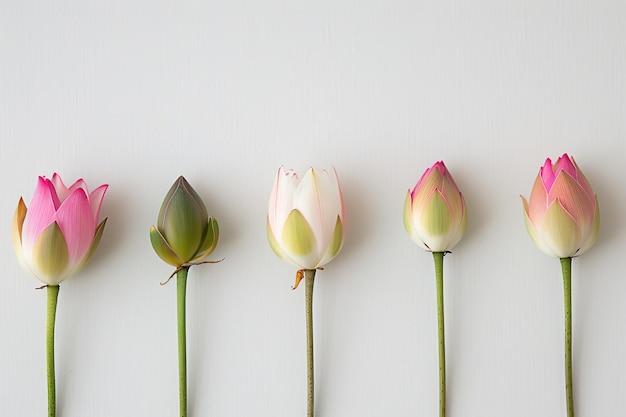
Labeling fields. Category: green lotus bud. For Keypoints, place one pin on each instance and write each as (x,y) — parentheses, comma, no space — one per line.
(185,232)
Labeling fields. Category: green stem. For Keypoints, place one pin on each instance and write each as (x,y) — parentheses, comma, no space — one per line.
(181,289)
(53,294)
(438,257)
(566,267)
(309,278)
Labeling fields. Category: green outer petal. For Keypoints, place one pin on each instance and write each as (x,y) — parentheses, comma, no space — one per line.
(461,227)
(336,240)
(435,220)
(408,215)
(18,222)
(210,240)
(595,231)
(560,231)
(273,242)
(297,238)
(94,245)
(163,249)
(50,255)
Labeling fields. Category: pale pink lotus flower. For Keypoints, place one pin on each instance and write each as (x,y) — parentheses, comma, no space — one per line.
(562,216)
(306,218)
(435,216)
(57,235)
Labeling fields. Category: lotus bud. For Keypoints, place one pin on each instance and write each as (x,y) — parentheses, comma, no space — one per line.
(562,216)
(184,233)
(434,211)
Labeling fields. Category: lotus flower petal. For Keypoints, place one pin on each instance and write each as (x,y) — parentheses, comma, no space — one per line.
(75,219)
(94,245)
(532,231)
(591,238)
(275,245)
(565,234)
(95,198)
(409,225)
(573,198)
(41,213)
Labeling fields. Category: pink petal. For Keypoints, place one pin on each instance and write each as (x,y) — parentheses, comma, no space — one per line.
(61,190)
(281,198)
(547,175)
(427,174)
(538,201)
(445,173)
(80,183)
(40,214)
(564,163)
(75,219)
(95,199)
(573,199)
(583,181)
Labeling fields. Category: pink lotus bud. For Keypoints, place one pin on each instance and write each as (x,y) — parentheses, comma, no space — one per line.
(306,219)
(562,216)
(434,212)
(57,236)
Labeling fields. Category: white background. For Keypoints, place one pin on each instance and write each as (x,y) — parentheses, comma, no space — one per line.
(135,93)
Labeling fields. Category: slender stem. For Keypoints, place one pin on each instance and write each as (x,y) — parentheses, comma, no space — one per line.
(309,278)
(566,267)
(53,294)
(181,289)
(438,257)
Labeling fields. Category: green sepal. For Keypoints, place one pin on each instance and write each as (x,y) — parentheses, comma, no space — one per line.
(18,223)
(163,249)
(50,253)
(297,236)
(336,240)
(210,240)
(408,215)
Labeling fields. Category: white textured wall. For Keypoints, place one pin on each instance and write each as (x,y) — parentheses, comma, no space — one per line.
(135,93)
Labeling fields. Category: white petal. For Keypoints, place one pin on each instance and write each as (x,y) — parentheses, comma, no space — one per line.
(281,199)
(318,197)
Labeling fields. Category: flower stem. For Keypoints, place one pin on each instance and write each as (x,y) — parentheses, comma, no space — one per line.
(181,289)
(566,267)
(53,294)
(438,258)
(309,278)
